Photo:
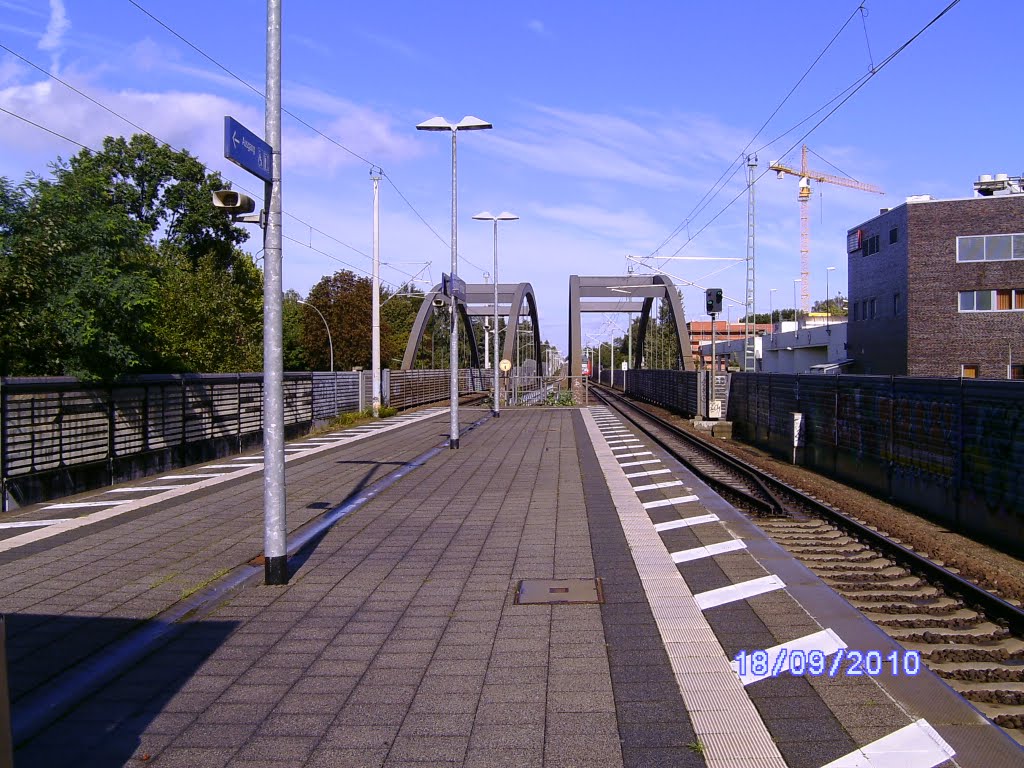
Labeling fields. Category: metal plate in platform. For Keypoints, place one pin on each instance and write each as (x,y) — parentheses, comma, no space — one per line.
(558,591)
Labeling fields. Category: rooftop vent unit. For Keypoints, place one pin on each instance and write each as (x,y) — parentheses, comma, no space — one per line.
(999,185)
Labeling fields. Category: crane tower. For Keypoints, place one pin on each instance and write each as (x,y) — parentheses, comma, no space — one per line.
(806,176)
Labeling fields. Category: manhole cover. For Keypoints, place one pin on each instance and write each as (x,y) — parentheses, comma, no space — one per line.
(559,591)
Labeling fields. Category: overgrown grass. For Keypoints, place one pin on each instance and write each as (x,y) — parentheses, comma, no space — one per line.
(352,419)
(186,593)
(564,398)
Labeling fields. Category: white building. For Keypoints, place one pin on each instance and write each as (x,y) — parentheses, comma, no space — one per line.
(810,346)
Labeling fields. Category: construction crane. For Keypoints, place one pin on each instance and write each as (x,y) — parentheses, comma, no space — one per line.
(806,176)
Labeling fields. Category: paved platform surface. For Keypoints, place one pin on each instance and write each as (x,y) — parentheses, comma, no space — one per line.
(398,641)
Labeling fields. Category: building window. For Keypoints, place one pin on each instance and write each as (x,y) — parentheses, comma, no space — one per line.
(856,307)
(1015,371)
(872,245)
(872,309)
(999,300)
(894,235)
(895,304)
(990,248)
(969,371)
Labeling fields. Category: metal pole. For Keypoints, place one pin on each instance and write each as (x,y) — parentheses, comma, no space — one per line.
(375,335)
(487,342)
(714,364)
(494,273)
(275,546)
(630,360)
(453,439)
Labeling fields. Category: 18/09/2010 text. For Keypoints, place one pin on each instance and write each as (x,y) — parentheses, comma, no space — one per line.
(851,663)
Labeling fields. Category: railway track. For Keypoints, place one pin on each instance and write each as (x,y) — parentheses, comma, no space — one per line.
(968,636)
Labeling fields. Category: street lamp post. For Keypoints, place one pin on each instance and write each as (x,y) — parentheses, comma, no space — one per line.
(505,216)
(330,346)
(771,312)
(468,123)
(828,309)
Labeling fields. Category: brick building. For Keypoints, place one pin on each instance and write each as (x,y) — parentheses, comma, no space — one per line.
(725,332)
(937,289)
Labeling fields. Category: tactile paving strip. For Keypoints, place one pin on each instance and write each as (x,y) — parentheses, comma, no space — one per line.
(734,737)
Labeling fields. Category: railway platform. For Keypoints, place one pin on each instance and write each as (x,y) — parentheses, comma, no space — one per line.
(557,592)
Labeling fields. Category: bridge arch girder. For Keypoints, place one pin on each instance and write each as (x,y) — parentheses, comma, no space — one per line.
(622,291)
(480,302)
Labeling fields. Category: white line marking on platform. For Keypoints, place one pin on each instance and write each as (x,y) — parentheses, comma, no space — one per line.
(193,477)
(144,488)
(656,486)
(639,463)
(741,591)
(686,522)
(34,523)
(221,466)
(127,505)
(649,472)
(669,502)
(623,447)
(710,689)
(75,504)
(917,745)
(623,441)
(826,641)
(697,553)
(631,455)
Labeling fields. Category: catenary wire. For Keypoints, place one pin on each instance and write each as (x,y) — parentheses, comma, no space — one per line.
(849,93)
(301,121)
(138,127)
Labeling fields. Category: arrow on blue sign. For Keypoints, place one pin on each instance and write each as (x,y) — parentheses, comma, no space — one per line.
(247,150)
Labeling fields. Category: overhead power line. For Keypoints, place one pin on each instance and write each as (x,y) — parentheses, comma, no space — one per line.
(298,242)
(737,164)
(301,121)
(844,96)
(140,128)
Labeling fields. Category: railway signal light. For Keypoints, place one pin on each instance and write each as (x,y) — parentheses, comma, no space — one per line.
(714,300)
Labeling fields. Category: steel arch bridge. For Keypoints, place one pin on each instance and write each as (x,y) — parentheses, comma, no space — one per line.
(480,303)
(619,293)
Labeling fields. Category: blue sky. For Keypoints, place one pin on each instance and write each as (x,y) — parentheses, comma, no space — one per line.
(611,123)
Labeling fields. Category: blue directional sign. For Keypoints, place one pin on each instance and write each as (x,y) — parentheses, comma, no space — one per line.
(453,287)
(246,149)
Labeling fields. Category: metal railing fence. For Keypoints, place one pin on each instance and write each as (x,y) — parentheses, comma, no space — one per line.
(56,426)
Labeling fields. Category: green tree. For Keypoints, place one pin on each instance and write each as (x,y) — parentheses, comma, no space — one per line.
(295,357)
(345,302)
(210,319)
(397,315)
(84,254)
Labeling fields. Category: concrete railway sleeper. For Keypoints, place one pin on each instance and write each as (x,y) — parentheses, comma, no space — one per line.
(971,638)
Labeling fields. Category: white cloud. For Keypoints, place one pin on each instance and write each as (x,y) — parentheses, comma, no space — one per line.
(631,224)
(55,27)
(390,44)
(537,26)
(656,151)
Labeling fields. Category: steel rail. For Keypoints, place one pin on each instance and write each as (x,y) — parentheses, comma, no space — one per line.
(769,504)
(991,605)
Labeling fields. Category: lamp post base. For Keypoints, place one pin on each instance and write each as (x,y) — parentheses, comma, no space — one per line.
(453,443)
(275,570)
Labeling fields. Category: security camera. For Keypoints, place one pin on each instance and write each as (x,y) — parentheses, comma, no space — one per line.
(233,202)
